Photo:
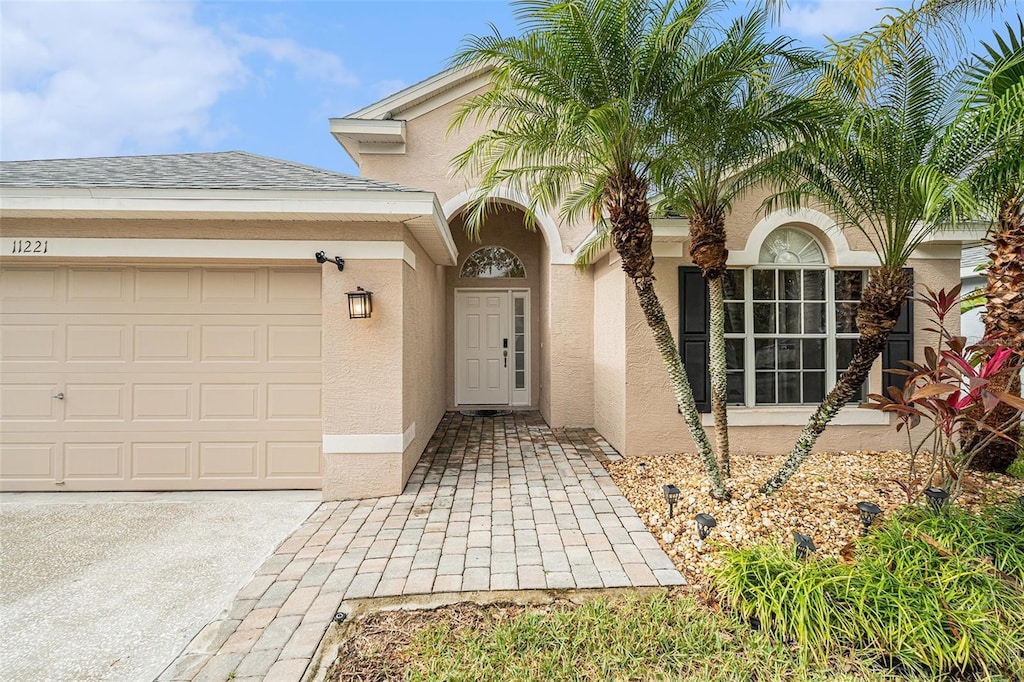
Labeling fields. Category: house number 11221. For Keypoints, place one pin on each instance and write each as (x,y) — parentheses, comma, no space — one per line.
(29,246)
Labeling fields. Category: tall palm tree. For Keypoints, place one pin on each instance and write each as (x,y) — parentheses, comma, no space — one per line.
(885,176)
(718,153)
(997,102)
(580,107)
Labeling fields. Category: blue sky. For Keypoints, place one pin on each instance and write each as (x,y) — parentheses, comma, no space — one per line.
(101,78)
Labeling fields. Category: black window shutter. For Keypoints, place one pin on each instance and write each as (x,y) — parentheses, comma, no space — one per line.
(900,346)
(694,328)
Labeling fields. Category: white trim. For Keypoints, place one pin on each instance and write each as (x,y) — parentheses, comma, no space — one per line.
(420,91)
(511,291)
(844,255)
(209,249)
(520,396)
(368,443)
(507,195)
(797,415)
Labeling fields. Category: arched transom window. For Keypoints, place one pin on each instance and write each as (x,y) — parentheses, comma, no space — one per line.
(790,322)
(492,262)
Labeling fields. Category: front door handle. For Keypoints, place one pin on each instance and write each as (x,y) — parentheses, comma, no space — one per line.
(504,354)
(59,396)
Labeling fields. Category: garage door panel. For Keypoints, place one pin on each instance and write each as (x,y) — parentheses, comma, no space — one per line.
(106,285)
(94,402)
(174,378)
(163,343)
(159,459)
(231,460)
(288,343)
(234,343)
(28,402)
(94,461)
(165,286)
(292,460)
(30,343)
(162,402)
(97,343)
(293,402)
(28,461)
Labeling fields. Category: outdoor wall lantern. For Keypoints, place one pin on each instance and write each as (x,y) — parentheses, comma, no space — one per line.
(936,497)
(869,511)
(671,496)
(804,546)
(360,303)
(322,258)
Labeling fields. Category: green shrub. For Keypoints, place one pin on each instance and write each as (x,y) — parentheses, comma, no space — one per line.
(938,593)
(1017,468)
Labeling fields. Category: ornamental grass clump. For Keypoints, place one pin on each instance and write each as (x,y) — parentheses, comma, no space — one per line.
(939,594)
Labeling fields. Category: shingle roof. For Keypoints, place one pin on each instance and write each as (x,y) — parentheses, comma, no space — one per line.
(207,170)
(973,256)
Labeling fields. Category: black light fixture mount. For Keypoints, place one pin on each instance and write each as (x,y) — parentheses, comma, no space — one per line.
(322,258)
(671,493)
(936,497)
(360,303)
(869,511)
(804,545)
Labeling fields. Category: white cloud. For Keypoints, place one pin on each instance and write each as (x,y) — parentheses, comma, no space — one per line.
(105,78)
(834,18)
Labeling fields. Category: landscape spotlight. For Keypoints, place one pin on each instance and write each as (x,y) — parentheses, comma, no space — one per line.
(869,511)
(936,497)
(804,545)
(671,496)
(642,468)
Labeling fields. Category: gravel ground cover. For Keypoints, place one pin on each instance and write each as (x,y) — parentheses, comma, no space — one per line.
(819,501)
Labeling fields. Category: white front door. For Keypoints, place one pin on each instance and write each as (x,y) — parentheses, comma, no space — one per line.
(482,347)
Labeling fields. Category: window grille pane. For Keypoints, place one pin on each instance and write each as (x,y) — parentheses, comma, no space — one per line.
(520,379)
(814,387)
(734,353)
(846,318)
(520,305)
(520,325)
(492,262)
(764,318)
(789,282)
(734,318)
(764,354)
(732,285)
(789,353)
(520,343)
(735,393)
(814,285)
(814,318)
(849,284)
(764,285)
(764,391)
(844,352)
(814,354)
(789,387)
(789,323)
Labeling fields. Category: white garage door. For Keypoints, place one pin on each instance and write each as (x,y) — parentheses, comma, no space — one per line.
(172,378)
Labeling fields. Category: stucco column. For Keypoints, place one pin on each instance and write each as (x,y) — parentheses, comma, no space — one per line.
(363,438)
(568,343)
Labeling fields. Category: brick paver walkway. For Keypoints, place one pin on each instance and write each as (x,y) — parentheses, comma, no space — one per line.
(494,504)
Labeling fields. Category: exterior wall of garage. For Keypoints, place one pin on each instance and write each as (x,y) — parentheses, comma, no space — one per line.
(378,391)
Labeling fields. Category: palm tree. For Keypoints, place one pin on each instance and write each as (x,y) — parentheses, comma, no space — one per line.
(886,176)
(580,107)
(718,152)
(997,80)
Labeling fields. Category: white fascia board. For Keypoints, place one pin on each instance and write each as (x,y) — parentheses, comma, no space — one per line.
(418,92)
(445,233)
(398,204)
(369,130)
(968,233)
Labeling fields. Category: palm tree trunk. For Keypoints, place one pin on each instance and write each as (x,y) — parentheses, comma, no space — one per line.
(629,214)
(708,252)
(879,310)
(719,376)
(1004,322)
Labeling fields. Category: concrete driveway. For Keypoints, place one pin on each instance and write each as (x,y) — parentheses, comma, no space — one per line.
(111,586)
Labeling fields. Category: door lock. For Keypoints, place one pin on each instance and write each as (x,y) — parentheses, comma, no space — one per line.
(59,396)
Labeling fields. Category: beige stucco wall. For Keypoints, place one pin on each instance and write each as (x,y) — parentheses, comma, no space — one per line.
(570,346)
(504,227)
(423,351)
(610,353)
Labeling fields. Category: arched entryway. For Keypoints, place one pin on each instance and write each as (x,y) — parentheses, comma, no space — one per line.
(496,294)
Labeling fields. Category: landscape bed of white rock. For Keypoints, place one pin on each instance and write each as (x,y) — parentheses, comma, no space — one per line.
(819,501)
